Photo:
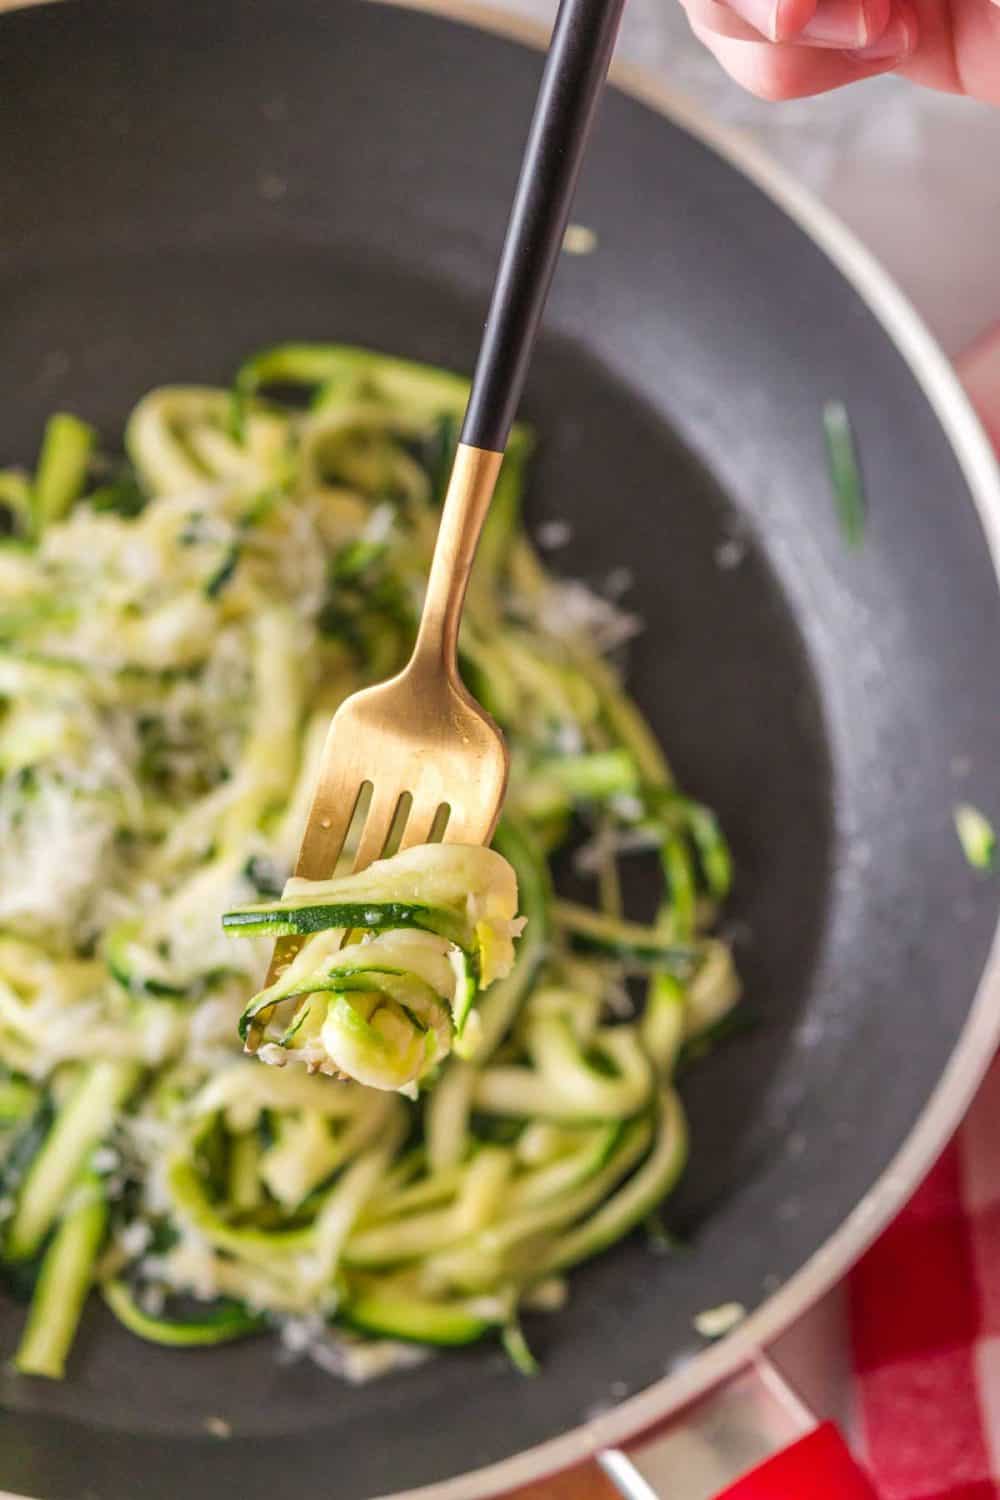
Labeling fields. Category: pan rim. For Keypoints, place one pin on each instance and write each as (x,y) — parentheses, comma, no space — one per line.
(980,1035)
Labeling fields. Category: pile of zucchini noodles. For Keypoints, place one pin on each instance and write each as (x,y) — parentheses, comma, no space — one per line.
(177,627)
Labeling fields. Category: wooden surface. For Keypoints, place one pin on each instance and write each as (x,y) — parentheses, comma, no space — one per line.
(587,1483)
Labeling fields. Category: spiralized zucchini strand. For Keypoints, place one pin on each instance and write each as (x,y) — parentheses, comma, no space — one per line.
(429,927)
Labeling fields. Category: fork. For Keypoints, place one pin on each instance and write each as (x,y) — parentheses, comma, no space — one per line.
(431,761)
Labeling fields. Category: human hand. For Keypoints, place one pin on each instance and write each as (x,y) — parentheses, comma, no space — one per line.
(786,49)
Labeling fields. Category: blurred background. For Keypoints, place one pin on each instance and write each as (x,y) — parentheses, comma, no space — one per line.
(913,173)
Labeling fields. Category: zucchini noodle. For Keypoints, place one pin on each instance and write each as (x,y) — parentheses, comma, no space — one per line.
(435,924)
(178,626)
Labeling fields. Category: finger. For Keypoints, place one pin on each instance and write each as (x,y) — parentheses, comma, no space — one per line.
(750,20)
(959,46)
(977,47)
(844,24)
(780,72)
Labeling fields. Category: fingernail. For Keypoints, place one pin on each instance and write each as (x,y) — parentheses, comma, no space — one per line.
(762,15)
(842,23)
(897,40)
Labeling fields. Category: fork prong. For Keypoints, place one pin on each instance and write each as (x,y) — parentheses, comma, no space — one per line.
(420,823)
(476,827)
(326,829)
(377,825)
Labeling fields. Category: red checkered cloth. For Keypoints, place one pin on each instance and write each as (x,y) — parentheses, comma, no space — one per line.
(925,1315)
(925,1300)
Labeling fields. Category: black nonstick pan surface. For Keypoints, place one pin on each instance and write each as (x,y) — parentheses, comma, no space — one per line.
(182,183)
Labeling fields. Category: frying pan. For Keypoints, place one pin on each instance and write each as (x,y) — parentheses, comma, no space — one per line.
(182,183)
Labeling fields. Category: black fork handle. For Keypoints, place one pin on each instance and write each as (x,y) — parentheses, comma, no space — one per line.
(583,39)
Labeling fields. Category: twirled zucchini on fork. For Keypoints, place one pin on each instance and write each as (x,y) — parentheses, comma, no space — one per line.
(391,964)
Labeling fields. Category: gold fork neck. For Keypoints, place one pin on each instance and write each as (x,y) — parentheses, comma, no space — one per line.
(470,490)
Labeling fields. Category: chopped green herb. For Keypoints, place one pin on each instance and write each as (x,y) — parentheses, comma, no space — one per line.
(976,836)
(845,473)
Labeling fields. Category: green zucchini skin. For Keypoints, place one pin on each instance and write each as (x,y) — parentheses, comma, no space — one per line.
(633,1202)
(302,921)
(590,777)
(115,950)
(594,932)
(18,1100)
(63,1283)
(222,1324)
(16,515)
(62,468)
(503,1000)
(79,1125)
(415,935)
(21,1149)
(414,1320)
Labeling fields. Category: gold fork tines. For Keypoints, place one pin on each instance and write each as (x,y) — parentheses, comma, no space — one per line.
(420,738)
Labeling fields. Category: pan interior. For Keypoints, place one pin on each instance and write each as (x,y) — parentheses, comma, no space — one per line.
(340,171)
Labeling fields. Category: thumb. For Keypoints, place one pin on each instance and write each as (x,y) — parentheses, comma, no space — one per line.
(776,71)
